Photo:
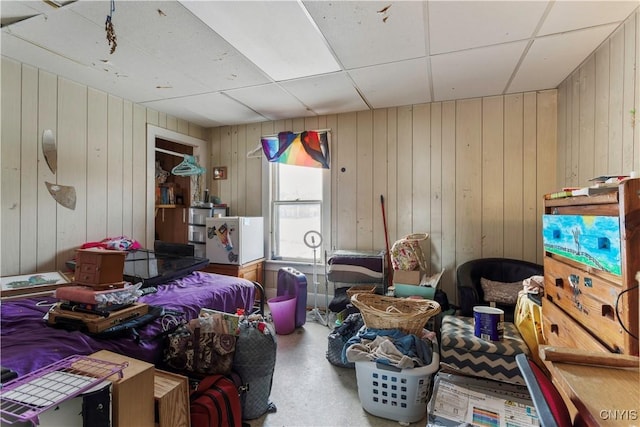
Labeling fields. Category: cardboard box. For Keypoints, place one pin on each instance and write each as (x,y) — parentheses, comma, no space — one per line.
(407,277)
(133,394)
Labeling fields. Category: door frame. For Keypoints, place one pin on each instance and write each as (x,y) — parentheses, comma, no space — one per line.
(200,152)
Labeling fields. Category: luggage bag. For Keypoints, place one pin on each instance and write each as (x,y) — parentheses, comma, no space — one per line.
(215,403)
(254,362)
(293,283)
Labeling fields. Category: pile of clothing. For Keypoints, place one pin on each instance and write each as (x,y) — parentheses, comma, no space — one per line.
(390,347)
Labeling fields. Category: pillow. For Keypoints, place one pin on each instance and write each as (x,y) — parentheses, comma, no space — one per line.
(500,292)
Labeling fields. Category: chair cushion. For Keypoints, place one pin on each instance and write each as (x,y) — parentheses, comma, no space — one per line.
(505,270)
(494,360)
(500,292)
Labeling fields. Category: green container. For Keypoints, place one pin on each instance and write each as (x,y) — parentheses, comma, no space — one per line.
(426,292)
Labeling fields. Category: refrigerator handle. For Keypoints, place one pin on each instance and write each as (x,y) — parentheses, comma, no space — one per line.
(184,218)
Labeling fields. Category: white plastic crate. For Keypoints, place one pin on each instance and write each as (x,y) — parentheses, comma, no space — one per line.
(400,395)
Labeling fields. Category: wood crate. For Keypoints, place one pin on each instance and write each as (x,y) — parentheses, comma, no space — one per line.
(171,393)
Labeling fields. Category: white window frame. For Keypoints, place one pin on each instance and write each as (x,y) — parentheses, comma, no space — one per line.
(268,192)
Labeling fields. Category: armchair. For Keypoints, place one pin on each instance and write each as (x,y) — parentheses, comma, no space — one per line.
(503,270)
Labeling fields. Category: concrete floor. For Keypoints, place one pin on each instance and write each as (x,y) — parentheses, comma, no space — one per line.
(309,391)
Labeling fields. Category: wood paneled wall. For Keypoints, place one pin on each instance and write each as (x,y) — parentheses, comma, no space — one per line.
(102,152)
(599,111)
(471,173)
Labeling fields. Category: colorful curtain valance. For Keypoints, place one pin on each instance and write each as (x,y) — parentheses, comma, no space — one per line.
(308,148)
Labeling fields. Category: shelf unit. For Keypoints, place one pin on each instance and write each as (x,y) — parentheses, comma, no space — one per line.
(26,397)
(352,267)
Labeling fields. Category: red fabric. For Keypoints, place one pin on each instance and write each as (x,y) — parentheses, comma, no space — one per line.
(120,243)
(552,396)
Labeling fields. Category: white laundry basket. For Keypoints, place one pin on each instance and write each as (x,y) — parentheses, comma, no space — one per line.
(401,395)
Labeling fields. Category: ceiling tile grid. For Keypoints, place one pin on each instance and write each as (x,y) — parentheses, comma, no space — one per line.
(232,62)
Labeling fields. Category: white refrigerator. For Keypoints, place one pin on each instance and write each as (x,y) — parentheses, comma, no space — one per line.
(235,239)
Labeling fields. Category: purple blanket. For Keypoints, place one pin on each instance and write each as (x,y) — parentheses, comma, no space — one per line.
(28,343)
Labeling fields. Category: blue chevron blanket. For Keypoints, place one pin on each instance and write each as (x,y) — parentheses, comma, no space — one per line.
(495,360)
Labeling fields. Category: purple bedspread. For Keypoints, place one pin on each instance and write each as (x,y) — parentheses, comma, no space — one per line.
(28,343)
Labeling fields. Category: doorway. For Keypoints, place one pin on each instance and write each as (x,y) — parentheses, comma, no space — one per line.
(172,192)
(174,216)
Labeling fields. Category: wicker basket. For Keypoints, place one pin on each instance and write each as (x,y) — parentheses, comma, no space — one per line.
(406,314)
(369,289)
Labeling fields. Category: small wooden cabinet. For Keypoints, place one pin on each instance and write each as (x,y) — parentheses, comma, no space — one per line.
(592,256)
(171,393)
(98,267)
(133,394)
(253,271)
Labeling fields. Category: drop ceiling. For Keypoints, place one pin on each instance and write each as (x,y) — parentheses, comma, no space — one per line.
(219,63)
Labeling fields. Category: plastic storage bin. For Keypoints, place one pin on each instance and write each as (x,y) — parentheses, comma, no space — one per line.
(401,395)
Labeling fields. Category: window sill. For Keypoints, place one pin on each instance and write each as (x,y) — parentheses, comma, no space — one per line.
(302,267)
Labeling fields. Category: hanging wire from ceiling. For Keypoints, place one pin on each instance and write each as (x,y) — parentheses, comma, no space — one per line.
(108,27)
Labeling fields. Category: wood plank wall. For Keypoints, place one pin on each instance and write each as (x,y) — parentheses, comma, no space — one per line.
(471,173)
(102,152)
(598,111)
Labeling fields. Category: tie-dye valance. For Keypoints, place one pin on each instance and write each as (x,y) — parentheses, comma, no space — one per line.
(308,148)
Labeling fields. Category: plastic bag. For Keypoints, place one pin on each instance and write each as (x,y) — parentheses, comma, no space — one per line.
(406,253)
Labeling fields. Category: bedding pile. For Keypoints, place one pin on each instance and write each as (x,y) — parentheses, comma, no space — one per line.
(28,343)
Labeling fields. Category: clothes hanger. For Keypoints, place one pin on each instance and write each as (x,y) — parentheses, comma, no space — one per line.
(256,153)
(188,167)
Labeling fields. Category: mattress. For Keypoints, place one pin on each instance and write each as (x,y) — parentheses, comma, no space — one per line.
(495,360)
(356,266)
(28,343)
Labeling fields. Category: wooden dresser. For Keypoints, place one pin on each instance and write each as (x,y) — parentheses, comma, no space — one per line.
(592,255)
(253,271)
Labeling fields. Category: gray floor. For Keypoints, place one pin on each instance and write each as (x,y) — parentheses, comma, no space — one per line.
(309,391)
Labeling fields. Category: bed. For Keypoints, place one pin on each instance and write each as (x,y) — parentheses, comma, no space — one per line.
(28,343)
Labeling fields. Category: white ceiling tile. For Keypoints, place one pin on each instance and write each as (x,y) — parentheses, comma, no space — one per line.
(474,73)
(458,25)
(552,58)
(82,55)
(277,36)
(364,33)
(170,60)
(396,84)
(271,101)
(15,11)
(102,76)
(157,29)
(207,110)
(328,94)
(572,15)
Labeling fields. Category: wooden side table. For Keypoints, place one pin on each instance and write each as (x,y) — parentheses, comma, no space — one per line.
(252,271)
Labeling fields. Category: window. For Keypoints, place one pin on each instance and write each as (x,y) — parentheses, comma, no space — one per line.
(299,203)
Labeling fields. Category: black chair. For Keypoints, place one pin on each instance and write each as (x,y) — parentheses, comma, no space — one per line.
(505,270)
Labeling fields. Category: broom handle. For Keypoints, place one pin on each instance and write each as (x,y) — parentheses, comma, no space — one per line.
(386,239)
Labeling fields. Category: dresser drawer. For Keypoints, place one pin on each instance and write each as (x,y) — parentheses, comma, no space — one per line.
(86,277)
(95,267)
(561,330)
(588,299)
